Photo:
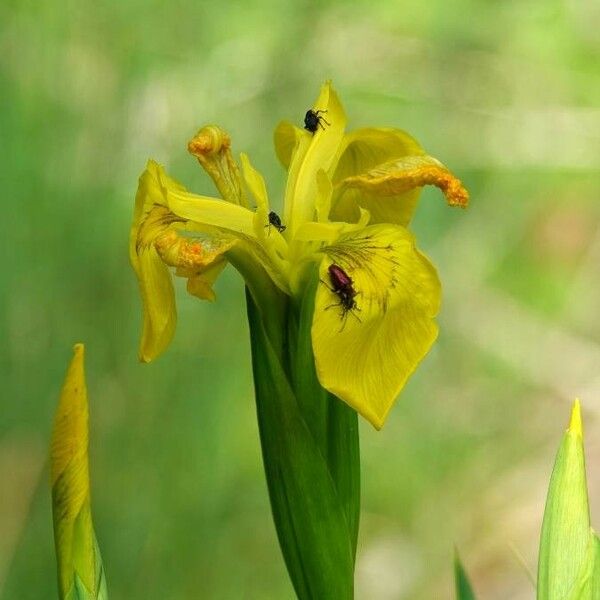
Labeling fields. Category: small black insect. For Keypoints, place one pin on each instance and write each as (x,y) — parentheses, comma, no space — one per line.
(275,221)
(343,286)
(313,119)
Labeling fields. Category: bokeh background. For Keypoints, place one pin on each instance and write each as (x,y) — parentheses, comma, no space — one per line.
(505,93)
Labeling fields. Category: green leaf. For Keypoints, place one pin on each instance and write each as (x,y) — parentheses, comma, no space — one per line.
(565,540)
(309,514)
(464,591)
(587,586)
(333,424)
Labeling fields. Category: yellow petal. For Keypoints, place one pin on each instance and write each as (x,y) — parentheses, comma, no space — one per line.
(256,183)
(286,139)
(365,355)
(201,284)
(323,197)
(390,190)
(266,234)
(158,299)
(361,151)
(312,153)
(204,210)
(366,148)
(151,218)
(193,234)
(236,221)
(69,469)
(330,231)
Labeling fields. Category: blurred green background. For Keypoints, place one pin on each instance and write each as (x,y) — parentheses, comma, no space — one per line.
(505,93)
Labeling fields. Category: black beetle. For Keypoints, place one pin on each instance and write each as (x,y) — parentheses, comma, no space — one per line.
(275,221)
(313,119)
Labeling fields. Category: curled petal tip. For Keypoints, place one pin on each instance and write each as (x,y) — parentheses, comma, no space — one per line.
(212,147)
(209,140)
(79,349)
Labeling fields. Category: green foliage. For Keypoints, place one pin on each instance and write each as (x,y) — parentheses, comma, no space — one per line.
(464,591)
(568,567)
(569,558)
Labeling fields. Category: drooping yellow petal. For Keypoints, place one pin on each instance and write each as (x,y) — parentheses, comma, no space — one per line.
(155,244)
(313,152)
(365,354)
(158,299)
(173,228)
(152,219)
(201,284)
(76,549)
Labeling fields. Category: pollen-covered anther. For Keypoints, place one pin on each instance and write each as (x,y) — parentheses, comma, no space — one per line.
(408,173)
(452,187)
(189,255)
(179,252)
(209,140)
(212,147)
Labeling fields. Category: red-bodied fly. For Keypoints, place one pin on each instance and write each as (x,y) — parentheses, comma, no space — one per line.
(343,286)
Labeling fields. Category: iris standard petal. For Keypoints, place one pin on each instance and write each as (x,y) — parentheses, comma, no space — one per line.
(364,149)
(365,354)
(361,151)
(313,152)
(286,138)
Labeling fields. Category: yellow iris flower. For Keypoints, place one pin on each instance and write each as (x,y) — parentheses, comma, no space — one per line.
(348,201)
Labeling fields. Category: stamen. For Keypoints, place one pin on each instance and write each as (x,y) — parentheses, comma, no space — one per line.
(212,147)
(188,255)
(452,187)
(397,177)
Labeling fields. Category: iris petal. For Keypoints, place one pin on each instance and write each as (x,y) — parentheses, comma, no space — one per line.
(364,355)
(312,153)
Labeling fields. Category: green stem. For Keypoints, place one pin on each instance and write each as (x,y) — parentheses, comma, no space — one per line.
(309,442)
